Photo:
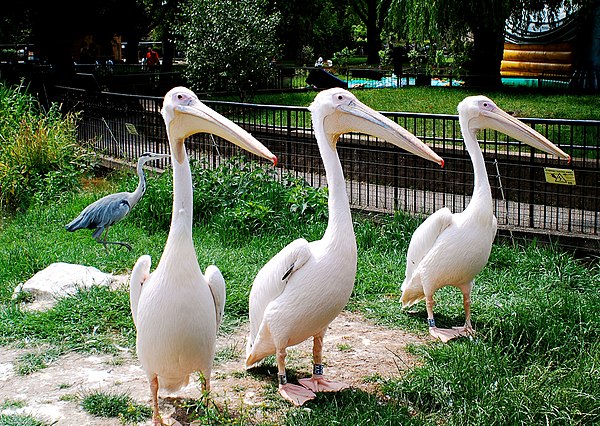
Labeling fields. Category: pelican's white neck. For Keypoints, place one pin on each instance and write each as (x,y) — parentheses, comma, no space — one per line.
(181,217)
(482,193)
(340,218)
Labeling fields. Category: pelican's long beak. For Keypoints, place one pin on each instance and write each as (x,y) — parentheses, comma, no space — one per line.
(501,121)
(360,118)
(195,117)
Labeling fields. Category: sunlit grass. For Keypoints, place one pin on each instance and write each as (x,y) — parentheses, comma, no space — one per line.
(536,310)
(443,100)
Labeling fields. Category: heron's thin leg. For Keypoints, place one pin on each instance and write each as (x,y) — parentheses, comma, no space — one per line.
(105,243)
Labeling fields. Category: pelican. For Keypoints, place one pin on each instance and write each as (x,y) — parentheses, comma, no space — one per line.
(176,309)
(305,286)
(108,210)
(451,249)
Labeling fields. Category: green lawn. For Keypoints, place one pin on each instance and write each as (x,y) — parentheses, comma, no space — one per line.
(443,100)
(536,309)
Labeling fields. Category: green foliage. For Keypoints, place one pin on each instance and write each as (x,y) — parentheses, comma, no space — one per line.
(21,420)
(532,360)
(229,45)
(237,199)
(121,405)
(34,361)
(443,100)
(39,155)
(91,320)
(205,411)
(342,58)
(307,54)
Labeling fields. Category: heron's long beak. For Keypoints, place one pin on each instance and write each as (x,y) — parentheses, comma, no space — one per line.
(499,120)
(360,118)
(198,118)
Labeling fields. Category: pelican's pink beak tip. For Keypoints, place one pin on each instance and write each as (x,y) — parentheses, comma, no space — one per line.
(442,163)
(274,159)
(569,159)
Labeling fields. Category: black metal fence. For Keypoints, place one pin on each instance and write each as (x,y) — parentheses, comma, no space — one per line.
(380,177)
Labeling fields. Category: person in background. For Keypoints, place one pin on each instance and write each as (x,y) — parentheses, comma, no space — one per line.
(152,59)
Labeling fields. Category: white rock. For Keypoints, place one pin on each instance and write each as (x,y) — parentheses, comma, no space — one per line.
(60,280)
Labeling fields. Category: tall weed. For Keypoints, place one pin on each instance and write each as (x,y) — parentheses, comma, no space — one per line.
(39,154)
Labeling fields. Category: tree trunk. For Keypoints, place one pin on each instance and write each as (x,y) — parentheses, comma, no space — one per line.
(484,67)
(373,34)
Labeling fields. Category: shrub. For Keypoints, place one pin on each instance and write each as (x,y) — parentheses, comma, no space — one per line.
(39,154)
(238,198)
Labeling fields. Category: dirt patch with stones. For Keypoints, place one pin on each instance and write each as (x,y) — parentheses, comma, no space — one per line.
(354,349)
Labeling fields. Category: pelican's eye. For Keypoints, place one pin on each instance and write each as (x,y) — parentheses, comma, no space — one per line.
(340,97)
(485,104)
(180,96)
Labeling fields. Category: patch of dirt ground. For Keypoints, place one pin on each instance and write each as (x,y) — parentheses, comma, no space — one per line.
(354,349)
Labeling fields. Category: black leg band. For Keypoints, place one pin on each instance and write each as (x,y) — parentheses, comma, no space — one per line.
(318,369)
(431,322)
(282,379)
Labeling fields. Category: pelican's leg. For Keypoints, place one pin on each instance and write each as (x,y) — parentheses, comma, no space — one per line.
(444,334)
(317,383)
(467,329)
(297,395)
(156,419)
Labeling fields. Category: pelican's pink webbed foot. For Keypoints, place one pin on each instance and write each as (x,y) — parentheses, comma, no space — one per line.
(447,334)
(297,395)
(320,384)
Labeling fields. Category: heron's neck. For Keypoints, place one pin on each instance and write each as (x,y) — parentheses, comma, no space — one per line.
(141,187)
(482,193)
(340,219)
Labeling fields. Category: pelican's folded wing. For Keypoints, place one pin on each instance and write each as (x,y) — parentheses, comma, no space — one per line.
(423,240)
(216,283)
(139,274)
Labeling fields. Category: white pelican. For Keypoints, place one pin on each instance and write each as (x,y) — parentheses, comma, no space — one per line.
(176,309)
(305,286)
(451,249)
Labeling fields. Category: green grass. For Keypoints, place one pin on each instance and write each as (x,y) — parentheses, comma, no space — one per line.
(21,420)
(536,310)
(443,100)
(119,405)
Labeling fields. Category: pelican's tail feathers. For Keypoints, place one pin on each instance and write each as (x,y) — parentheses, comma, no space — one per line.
(412,291)
(259,347)
(173,384)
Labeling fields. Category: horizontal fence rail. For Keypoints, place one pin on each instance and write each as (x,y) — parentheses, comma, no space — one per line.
(379,176)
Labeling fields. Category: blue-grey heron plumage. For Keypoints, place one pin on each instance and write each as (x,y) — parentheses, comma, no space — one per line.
(108,210)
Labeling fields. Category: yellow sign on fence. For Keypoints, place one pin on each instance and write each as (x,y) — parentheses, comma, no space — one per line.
(131,129)
(560,176)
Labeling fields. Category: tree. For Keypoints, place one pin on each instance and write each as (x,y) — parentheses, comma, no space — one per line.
(481,22)
(229,44)
(373,14)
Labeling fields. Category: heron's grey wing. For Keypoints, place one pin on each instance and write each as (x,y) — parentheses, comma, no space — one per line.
(103,213)
(139,275)
(216,283)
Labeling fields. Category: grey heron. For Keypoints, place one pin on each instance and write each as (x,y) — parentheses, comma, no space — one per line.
(108,210)
(304,287)
(176,309)
(451,249)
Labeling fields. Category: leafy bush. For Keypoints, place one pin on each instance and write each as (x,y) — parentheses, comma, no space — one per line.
(229,44)
(39,155)
(239,198)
